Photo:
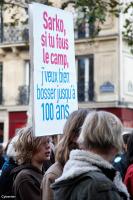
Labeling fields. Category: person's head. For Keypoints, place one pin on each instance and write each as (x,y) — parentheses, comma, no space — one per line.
(101,132)
(30,148)
(130,149)
(71,132)
(125,136)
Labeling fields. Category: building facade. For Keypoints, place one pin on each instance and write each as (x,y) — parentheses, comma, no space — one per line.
(104,72)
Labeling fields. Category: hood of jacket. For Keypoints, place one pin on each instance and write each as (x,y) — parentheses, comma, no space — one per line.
(81,162)
(19,168)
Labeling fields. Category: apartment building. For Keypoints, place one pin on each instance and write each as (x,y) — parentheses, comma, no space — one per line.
(105,69)
(104,72)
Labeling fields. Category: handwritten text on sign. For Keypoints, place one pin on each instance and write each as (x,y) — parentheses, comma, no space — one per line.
(55,85)
(54,41)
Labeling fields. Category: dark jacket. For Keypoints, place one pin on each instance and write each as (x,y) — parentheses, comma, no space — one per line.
(6,178)
(88,186)
(87,176)
(27,183)
(2,160)
(120,164)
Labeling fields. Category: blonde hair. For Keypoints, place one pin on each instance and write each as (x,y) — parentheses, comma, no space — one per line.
(101,130)
(26,145)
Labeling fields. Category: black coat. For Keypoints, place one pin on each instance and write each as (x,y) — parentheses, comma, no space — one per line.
(6,178)
(93,185)
(2,160)
(120,164)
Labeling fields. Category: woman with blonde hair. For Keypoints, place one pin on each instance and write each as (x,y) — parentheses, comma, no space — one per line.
(31,153)
(68,142)
(89,174)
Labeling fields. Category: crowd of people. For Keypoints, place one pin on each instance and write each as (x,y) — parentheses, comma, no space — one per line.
(91,160)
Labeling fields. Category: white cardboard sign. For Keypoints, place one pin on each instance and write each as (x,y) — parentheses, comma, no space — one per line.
(54,73)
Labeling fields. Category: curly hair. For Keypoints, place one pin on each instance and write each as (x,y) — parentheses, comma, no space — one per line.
(26,145)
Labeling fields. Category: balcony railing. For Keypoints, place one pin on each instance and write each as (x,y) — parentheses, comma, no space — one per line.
(19,34)
(14,34)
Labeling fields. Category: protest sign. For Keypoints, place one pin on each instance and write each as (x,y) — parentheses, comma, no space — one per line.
(53,70)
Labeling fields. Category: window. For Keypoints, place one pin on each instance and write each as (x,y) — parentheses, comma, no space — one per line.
(1,80)
(23,97)
(85,78)
(83,30)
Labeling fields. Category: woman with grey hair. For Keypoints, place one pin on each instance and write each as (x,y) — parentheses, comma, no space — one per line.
(89,174)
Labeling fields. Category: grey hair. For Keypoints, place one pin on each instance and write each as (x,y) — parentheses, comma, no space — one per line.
(101,130)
